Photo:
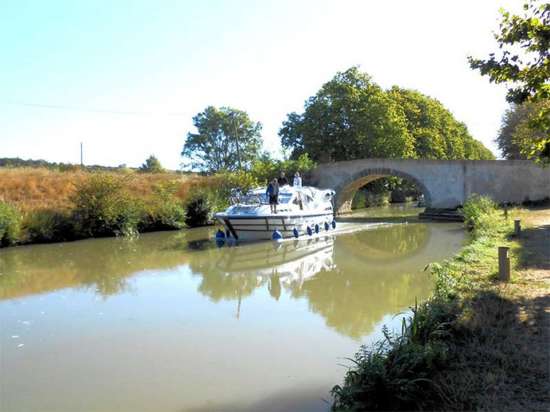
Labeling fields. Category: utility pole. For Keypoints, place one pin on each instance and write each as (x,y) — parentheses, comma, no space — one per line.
(237,142)
(81,154)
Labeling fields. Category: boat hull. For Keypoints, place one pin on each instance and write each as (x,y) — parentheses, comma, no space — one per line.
(262,227)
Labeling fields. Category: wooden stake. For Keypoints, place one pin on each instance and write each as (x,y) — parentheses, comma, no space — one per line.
(517,227)
(503,263)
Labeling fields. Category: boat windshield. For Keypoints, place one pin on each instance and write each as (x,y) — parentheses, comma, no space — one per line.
(261,198)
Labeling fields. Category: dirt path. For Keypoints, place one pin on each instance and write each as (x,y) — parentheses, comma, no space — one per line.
(532,291)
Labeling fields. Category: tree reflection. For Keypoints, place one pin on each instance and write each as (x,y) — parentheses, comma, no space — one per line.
(352,280)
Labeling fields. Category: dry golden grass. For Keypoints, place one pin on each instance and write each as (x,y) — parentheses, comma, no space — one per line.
(35,188)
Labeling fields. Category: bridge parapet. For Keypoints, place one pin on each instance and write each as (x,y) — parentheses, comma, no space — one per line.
(445,183)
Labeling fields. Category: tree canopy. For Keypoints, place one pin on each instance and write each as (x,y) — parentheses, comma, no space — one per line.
(351,117)
(226,139)
(151,165)
(435,132)
(517,139)
(523,63)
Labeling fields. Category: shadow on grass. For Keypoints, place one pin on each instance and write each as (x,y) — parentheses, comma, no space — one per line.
(501,359)
(534,252)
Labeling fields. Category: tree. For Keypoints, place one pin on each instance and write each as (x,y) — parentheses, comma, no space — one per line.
(517,138)
(350,117)
(151,165)
(226,139)
(523,63)
(513,116)
(435,132)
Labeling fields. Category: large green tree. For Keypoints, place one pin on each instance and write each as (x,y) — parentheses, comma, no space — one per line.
(435,132)
(226,139)
(350,117)
(523,64)
(517,138)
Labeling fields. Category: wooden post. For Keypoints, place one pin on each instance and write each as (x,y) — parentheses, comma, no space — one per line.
(506,211)
(503,264)
(517,227)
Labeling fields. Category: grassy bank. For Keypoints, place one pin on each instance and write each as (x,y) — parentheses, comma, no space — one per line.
(477,344)
(41,205)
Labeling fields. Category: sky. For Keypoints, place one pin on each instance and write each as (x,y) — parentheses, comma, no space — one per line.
(127,77)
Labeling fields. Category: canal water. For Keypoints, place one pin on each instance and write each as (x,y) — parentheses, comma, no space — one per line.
(170,322)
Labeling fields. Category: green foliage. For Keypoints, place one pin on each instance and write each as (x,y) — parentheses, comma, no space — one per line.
(10,224)
(43,226)
(351,117)
(265,168)
(523,63)
(530,141)
(104,208)
(164,210)
(214,196)
(151,165)
(480,214)
(226,139)
(435,132)
(395,374)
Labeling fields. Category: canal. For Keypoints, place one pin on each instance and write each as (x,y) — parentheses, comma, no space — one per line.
(170,322)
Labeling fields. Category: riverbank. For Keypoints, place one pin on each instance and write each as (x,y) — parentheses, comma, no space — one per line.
(478,343)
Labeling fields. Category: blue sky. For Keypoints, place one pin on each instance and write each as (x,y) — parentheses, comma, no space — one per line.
(130,75)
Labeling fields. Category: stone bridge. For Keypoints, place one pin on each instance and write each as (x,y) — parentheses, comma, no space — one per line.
(444,183)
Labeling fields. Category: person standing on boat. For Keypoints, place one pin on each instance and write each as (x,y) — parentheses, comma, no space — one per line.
(297,182)
(272,193)
(282,180)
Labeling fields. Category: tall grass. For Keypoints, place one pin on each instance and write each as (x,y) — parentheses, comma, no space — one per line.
(34,188)
(58,206)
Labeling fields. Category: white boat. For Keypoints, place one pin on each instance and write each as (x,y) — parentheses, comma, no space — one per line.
(302,211)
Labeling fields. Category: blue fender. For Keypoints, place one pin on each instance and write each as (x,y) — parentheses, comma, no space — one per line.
(276,235)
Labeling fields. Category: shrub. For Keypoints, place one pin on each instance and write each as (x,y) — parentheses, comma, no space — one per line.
(103,207)
(377,199)
(47,225)
(359,201)
(10,224)
(395,374)
(214,195)
(164,210)
(480,214)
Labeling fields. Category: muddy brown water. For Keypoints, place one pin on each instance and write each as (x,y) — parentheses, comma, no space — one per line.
(170,322)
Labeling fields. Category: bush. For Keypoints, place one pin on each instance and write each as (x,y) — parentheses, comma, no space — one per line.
(48,226)
(198,211)
(377,199)
(214,195)
(164,210)
(103,207)
(359,200)
(265,169)
(395,374)
(480,214)
(10,224)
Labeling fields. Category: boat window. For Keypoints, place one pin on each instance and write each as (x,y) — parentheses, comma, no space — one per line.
(253,199)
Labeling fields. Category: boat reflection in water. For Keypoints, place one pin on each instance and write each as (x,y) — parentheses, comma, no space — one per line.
(352,280)
(291,262)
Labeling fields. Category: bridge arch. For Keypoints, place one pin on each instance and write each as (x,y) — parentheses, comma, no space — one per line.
(346,189)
